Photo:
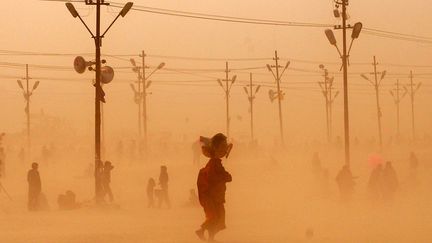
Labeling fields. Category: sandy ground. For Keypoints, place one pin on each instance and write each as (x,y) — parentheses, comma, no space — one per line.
(266,202)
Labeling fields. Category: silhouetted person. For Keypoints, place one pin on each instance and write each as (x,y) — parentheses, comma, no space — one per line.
(413,167)
(346,183)
(413,161)
(163,182)
(67,201)
(35,187)
(106,180)
(375,184)
(98,173)
(211,185)
(390,181)
(193,200)
(150,192)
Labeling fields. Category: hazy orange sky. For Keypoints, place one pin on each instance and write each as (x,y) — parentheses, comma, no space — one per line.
(38,26)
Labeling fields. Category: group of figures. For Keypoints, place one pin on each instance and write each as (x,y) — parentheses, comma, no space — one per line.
(103,181)
(160,193)
(383,181)
(211,185)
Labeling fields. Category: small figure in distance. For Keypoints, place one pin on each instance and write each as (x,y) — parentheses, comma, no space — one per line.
(151,184)
(163,182)
(35,187)
(390,181)
(106,180)
(345,181)
(193,200)
(211,184)
(99,174)
(67,201)
(375,185)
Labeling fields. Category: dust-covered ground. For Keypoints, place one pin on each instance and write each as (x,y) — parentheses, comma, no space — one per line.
(273,197)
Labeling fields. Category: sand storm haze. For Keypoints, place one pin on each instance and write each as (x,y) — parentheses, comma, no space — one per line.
(185,69)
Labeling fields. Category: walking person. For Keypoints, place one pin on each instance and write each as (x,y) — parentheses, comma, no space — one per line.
(163,182)
(106,180)
(211,184)
(34,187)
(150,192)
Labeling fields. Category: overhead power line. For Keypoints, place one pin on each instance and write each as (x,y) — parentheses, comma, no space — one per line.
(222,18)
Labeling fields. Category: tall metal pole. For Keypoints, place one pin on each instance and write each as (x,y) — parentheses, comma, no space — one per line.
(397,108)
(345,84)
(377,102)
(28,113)
(102,129)
(412,105)
(251,100)
(331,101)
(397,99)
(98,184)
(227,99)
(144,100)
(139,102)
(276,58)
(326,93)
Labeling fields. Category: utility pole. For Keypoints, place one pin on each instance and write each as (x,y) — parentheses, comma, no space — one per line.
(397,97)
(326,89)
(376,84)
(227,89)
(102,129)
(345,84)
(137,93)
(144,99)
(279,95)
(99,93)
(412,92)
(145,86)
(141,94)
(251,97)
(344,56)
(27,93)
(332,98)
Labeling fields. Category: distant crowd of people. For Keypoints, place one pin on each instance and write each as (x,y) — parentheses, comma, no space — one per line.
(383,181)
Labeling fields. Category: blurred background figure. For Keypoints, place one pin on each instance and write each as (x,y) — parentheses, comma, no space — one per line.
(390,181)
(151,184)
(345,181)
(106,180)
(34,187)
(375,183)
(163,182)
(193,200)
(67,201)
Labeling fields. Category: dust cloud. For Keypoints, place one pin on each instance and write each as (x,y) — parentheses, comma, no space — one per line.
(277,195)
(291,191)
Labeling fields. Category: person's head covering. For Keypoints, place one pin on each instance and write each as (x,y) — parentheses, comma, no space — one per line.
(164,168)
(35,165)
(215,147)
(108,165)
